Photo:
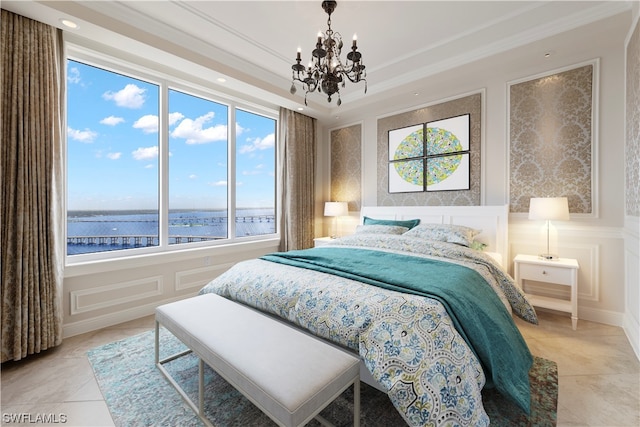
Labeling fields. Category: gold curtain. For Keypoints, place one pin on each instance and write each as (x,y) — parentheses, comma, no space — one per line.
(30,181)
(297,154)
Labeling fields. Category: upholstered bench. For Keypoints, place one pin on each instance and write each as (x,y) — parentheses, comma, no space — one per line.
(289,375)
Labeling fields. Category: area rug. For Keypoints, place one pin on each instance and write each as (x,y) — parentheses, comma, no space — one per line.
(137,394)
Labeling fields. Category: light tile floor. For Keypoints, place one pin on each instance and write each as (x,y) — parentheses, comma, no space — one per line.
(599,375)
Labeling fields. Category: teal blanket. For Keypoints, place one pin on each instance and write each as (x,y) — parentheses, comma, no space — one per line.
(477,312)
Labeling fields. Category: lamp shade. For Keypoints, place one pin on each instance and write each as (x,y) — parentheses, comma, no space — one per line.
(549,208)
(335,209)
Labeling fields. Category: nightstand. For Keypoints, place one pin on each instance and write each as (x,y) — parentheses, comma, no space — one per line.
(562,271)
(321,241)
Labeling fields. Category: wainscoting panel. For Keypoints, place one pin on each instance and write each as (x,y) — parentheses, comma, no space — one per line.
(100,297)
(198,277)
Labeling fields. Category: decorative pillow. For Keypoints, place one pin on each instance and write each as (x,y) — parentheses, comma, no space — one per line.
(445,233)
(478,246)
(380,229)
(409,223)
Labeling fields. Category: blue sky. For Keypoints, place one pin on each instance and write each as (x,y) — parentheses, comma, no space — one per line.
(113,143)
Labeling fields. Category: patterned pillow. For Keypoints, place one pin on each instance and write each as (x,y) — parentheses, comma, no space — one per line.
(380,229)
(478,246)
(445,233)
(409,223)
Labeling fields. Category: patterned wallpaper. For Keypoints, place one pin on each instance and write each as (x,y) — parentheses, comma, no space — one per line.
(632,149)
(346,166)
(471,104)
(550,139)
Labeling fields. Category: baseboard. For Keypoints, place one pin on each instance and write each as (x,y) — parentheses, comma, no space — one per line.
(606,317)
(632,331)
(112,319)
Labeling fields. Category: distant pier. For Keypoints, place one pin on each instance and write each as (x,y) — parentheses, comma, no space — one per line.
(134,241)
(183,222)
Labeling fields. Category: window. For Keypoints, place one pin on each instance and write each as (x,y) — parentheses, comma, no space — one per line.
(152,164)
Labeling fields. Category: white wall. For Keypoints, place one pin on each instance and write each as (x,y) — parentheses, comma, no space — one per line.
(596,240)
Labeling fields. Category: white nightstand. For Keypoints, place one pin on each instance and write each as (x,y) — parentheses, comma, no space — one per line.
(563,271)
(321,241)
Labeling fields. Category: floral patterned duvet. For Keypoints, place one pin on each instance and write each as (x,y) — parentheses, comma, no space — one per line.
(407,342)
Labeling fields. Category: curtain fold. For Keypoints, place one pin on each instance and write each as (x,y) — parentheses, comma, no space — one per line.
(297,156)
(30,179)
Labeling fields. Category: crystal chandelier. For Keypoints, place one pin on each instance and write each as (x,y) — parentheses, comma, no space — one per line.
(326,72)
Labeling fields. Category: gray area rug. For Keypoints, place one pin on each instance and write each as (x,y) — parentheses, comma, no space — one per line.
(137,394)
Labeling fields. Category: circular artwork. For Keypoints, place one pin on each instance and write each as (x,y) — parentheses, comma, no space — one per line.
(411,146)
(439,141)
(441,168)
(411,171)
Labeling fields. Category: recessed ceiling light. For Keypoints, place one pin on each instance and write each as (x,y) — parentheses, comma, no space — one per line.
(69,23)
(300,108)
(221,79)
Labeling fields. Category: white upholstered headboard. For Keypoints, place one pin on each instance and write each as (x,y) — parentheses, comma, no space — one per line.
(492,220)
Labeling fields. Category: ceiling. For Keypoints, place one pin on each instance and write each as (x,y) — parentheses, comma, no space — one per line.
(253,43)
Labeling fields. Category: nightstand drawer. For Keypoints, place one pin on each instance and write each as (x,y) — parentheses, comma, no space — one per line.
(549,274)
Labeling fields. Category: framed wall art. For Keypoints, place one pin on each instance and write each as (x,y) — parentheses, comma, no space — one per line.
(433,156)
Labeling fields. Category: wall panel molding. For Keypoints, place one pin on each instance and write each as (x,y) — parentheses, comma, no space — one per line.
(553,137)
(100,297)
(198,277)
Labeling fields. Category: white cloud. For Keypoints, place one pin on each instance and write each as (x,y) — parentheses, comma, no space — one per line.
(218,184)
(114,156)
(195,133)
(86,135)
(73,76)
(193,176)
(148,123)
(131,96)
(145,153)
(112,121)
(150,166)
(174,118)
(259,144)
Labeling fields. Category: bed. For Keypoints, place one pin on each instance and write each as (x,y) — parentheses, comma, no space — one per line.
(420,293)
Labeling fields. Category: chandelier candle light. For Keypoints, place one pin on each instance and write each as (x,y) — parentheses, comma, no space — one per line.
(547,209)
(325,72)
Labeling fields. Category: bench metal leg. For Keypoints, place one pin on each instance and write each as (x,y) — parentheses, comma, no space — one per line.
(356,407)
(198,409)
(356,402)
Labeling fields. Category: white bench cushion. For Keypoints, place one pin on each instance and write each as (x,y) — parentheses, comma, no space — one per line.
(286,373)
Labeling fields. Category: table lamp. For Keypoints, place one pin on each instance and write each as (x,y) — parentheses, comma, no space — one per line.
(335,209)
(548,209)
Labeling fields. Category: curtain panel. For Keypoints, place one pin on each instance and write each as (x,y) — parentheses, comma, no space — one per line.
(30,180)
(297,156)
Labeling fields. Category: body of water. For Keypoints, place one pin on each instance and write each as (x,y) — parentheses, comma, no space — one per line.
(98,231)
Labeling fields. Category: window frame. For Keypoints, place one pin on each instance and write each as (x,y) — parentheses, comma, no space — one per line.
(196,87)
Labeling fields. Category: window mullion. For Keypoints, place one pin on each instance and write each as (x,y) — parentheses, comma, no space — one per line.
(231,171)
(163,169)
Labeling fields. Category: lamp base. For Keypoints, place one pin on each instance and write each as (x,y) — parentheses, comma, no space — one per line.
(549,257)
